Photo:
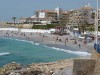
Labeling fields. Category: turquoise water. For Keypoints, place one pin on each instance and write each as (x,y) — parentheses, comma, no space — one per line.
(25,52)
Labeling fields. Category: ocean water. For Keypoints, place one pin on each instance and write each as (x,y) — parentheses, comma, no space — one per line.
(27,52)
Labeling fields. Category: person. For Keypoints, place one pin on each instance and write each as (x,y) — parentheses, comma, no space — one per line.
(60,40)
(65,42)
(79,45)
(67,39)
(75,42)
(56,38)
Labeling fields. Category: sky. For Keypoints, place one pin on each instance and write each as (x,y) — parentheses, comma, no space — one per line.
(26,8)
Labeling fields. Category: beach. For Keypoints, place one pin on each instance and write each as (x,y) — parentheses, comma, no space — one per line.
(48,40)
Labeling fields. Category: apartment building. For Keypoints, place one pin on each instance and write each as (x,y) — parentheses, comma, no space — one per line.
(62,17)
(44,17)
(81,16)
(59,15)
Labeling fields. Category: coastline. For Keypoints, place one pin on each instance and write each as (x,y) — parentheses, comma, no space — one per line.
(50,67)
(48,40)
(69,48)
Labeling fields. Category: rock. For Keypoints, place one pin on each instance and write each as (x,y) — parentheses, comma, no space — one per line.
(34,69)
(12,66)
(13,73)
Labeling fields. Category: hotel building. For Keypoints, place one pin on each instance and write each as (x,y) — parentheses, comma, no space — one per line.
(45,17)
(59,16)
(81,16)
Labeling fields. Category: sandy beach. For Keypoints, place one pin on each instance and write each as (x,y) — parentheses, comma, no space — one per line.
(50,40)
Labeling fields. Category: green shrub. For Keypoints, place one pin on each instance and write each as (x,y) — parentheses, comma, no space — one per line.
(48,26)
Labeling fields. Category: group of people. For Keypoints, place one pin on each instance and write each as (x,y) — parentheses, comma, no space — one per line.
(67,40)
(59,39)
(15,34)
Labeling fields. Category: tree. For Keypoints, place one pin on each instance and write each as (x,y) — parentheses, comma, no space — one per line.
(79,27)
(78,22)
(84,26)
(14,19)
(93,15)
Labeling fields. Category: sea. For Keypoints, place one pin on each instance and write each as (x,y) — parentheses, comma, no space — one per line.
(27,52)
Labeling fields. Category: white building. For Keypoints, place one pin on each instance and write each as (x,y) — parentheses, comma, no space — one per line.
(99,16)
(45,16)
(60,16)
(42,14)
(59,12)
(56,13)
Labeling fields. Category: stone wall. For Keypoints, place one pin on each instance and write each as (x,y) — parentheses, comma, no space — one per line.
(96,56)
(97,67)
(83,66)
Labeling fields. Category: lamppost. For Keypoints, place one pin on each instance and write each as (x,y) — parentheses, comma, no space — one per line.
(96,24)
(96,45)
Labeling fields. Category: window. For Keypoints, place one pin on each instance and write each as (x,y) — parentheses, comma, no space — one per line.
(84,13)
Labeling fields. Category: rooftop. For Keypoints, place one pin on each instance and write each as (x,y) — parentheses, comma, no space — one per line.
(53,11)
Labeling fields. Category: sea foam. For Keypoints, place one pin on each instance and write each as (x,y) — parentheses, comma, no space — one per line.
(28,41)
(20,40)
(37,43)
(4,53)
(23,41)
(80,53)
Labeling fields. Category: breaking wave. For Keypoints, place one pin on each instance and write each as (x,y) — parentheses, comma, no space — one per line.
(80,53)
(4,53)
(28,41)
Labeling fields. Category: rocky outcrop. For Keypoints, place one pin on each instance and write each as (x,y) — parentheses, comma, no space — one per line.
(9,67)
(35,69)
(63,67)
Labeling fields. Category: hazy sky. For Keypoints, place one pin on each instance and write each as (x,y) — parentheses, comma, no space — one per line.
(25,8)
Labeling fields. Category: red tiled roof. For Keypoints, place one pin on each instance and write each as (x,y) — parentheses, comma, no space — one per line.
(65,12)
(46,11)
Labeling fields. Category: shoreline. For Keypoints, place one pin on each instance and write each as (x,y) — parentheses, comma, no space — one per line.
(55,46)
(49,67)
(47,42)
(37,68)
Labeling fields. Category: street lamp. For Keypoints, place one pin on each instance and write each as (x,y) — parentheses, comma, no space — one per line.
(96,24)
(96,45)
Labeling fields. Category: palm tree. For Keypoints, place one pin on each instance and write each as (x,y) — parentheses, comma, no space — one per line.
(93,15)
(79,27)
(14,19)
(84,26)
(78,22)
